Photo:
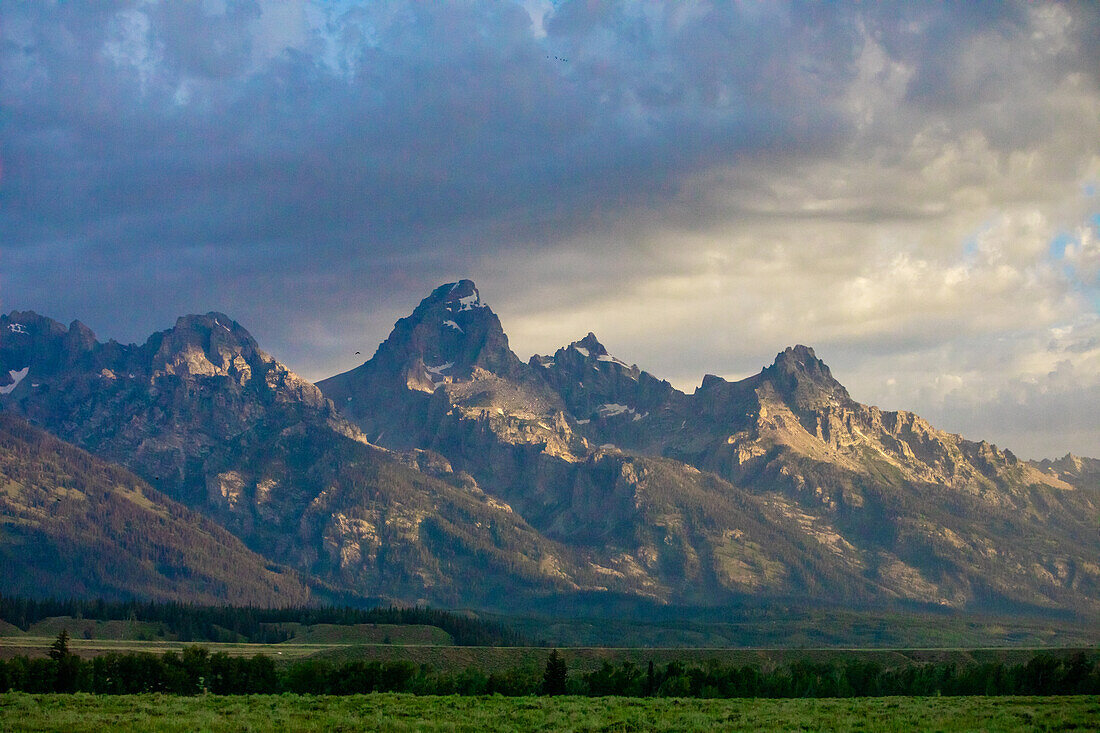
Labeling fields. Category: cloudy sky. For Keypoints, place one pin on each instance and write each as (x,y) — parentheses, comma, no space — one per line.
(912,188)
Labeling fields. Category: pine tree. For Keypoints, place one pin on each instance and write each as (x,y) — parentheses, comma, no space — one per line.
(59,650)
(553,679)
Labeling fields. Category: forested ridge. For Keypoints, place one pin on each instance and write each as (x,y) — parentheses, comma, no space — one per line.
(73,523)
(195,622)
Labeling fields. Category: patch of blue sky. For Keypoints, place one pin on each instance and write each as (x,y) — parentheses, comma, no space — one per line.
(1057,249)
(972,244)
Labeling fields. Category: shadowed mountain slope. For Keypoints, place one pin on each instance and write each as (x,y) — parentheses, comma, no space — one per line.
(496,483)
(207,417)
(73,525)
(780,483)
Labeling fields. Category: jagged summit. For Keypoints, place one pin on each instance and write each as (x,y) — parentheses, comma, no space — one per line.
(449,298)
(591,344)
(801,376)
(799,358)
(586,350)
(40,351)
(212,327)
(212,322)
(460,296)
(450,338)
(595,384)
(206,345)
(28,338)
(445,338)
(581,354)
(796,380)
(576,472)
(200,344)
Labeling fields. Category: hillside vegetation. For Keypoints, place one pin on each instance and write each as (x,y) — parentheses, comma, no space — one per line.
(74,525)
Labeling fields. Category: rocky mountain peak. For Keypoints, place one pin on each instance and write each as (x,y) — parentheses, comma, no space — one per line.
(577,473)
(207,345)
(710,381)
(451,298)
(580,360)
(450,338)
(461,296)
(446,337)
(1076,469)
(799,358)
(593,382)
(28,323)
(798,374)
(591,344)
(216,326)
(28,340)
(79,338)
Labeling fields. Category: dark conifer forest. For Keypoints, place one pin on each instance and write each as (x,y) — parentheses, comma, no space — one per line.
(197,671)
(195,622)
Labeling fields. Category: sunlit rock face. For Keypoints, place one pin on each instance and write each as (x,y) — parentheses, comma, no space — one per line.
(596,385)
(598,453)
(96,530)
(203,414)
(166,406)
(446,469)
(451,337)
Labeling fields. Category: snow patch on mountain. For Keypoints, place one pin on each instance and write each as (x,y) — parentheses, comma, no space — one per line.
(17,377)
(466,303)
(438,373)
(613,409)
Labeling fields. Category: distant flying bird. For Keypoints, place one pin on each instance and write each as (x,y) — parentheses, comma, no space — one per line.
(357,352)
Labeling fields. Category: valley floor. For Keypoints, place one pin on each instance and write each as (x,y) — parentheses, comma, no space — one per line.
(452,659)
(399,712)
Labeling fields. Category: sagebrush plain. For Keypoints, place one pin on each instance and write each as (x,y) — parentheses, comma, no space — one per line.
(400,712)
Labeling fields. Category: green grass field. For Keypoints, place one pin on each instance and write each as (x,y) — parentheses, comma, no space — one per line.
(586,659)
(92,638)
(38,646)
(389,712)
(414,644)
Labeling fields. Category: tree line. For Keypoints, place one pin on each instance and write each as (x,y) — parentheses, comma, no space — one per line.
(197,671)
(193,623)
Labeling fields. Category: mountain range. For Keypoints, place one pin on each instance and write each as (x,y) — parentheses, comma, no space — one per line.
(445,469)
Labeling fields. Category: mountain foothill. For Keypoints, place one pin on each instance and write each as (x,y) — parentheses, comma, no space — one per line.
(447,470)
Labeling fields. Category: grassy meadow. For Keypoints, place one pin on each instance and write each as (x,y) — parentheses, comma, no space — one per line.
(91,638)
(586,659)
(414,644)
(401,712)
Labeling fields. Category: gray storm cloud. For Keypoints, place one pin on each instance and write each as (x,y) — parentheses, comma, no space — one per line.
(702,184)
